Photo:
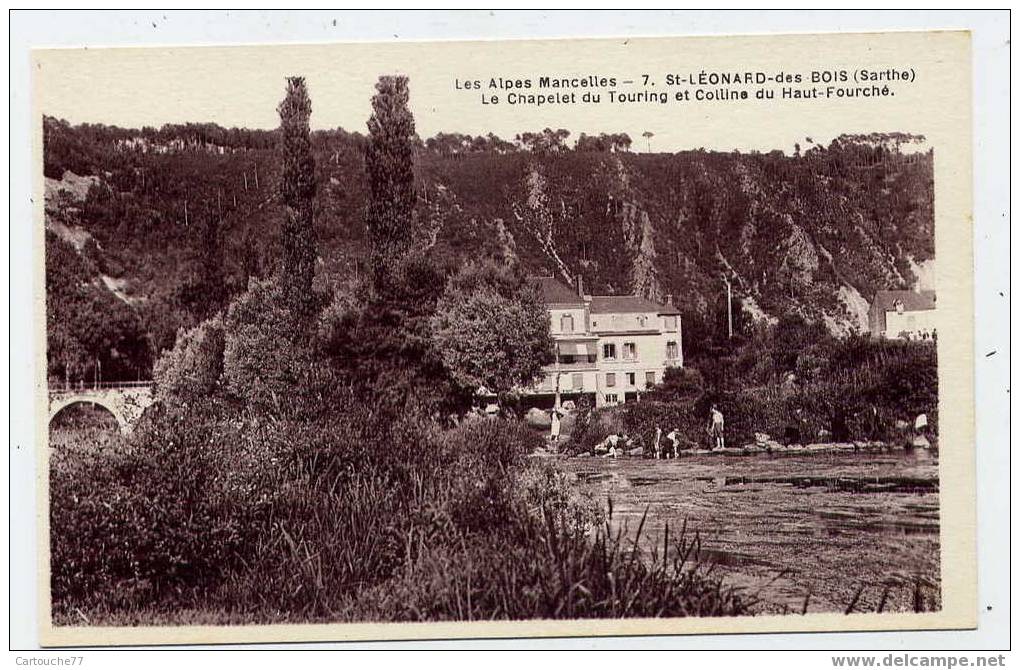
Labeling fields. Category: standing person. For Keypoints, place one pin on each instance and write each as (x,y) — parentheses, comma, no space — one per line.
(716,426)
(658,443)
(674,437)
(555,428)
(871,422)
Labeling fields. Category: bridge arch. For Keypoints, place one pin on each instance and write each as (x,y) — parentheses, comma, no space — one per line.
(66,403)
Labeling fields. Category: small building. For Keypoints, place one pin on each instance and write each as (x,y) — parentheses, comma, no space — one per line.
(908,315)
(610,348)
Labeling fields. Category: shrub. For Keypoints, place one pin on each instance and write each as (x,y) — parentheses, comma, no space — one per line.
(543,487)
(193,367)
(177,507)
(269,358)
(484,460)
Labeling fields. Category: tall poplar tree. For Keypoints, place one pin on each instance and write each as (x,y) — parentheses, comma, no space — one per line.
(298,194)
(389,161)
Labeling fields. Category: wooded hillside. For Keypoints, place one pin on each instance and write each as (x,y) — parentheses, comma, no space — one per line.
(174,221)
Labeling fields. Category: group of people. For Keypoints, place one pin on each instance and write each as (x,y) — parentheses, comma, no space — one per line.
(668,445)
(716,432)
(615,444)
(618,443)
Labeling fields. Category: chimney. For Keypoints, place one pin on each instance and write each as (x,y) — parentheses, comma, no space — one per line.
(580,286)
(669,300)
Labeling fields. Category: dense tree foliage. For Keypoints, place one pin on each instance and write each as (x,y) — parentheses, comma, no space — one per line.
(545,141)
(603,142)
(382,342)
(388,161)
(92,335)
(492,328)
(298,191)
(452,144)
(269,359)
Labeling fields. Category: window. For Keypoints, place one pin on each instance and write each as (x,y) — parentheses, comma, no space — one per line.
(650,379)
(629,351)
(566,323)
(672,351)
(631,378)
(611,398)
(669,324)
(609,351)
(577,381)
(610,379)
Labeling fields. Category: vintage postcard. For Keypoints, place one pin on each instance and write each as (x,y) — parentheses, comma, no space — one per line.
(374,341)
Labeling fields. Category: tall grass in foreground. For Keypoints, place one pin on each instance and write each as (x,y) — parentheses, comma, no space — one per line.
(548,569)
(202,518)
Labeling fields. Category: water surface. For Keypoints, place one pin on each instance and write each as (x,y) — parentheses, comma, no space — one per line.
(789,528)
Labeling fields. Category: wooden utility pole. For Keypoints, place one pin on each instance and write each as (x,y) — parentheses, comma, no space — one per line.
(729,307)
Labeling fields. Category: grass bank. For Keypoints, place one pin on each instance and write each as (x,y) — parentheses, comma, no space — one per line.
(203,520)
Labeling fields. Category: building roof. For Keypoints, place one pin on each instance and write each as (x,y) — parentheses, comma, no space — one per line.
(627,304)
(555,292)
(913,301)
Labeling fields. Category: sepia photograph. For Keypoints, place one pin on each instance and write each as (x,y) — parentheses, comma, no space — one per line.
(390,339)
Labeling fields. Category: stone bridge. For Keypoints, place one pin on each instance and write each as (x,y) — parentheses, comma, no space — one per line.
(126,401)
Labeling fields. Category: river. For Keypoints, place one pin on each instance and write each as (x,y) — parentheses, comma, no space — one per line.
(791,529)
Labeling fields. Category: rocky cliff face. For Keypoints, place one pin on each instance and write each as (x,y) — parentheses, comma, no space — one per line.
(814,235)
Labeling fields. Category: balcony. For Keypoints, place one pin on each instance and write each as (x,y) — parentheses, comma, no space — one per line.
(563,366)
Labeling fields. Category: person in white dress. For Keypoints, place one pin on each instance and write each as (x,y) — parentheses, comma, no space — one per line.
(555,428)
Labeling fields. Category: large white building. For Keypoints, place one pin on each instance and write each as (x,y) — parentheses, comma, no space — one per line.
(903,314)
(608,347)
